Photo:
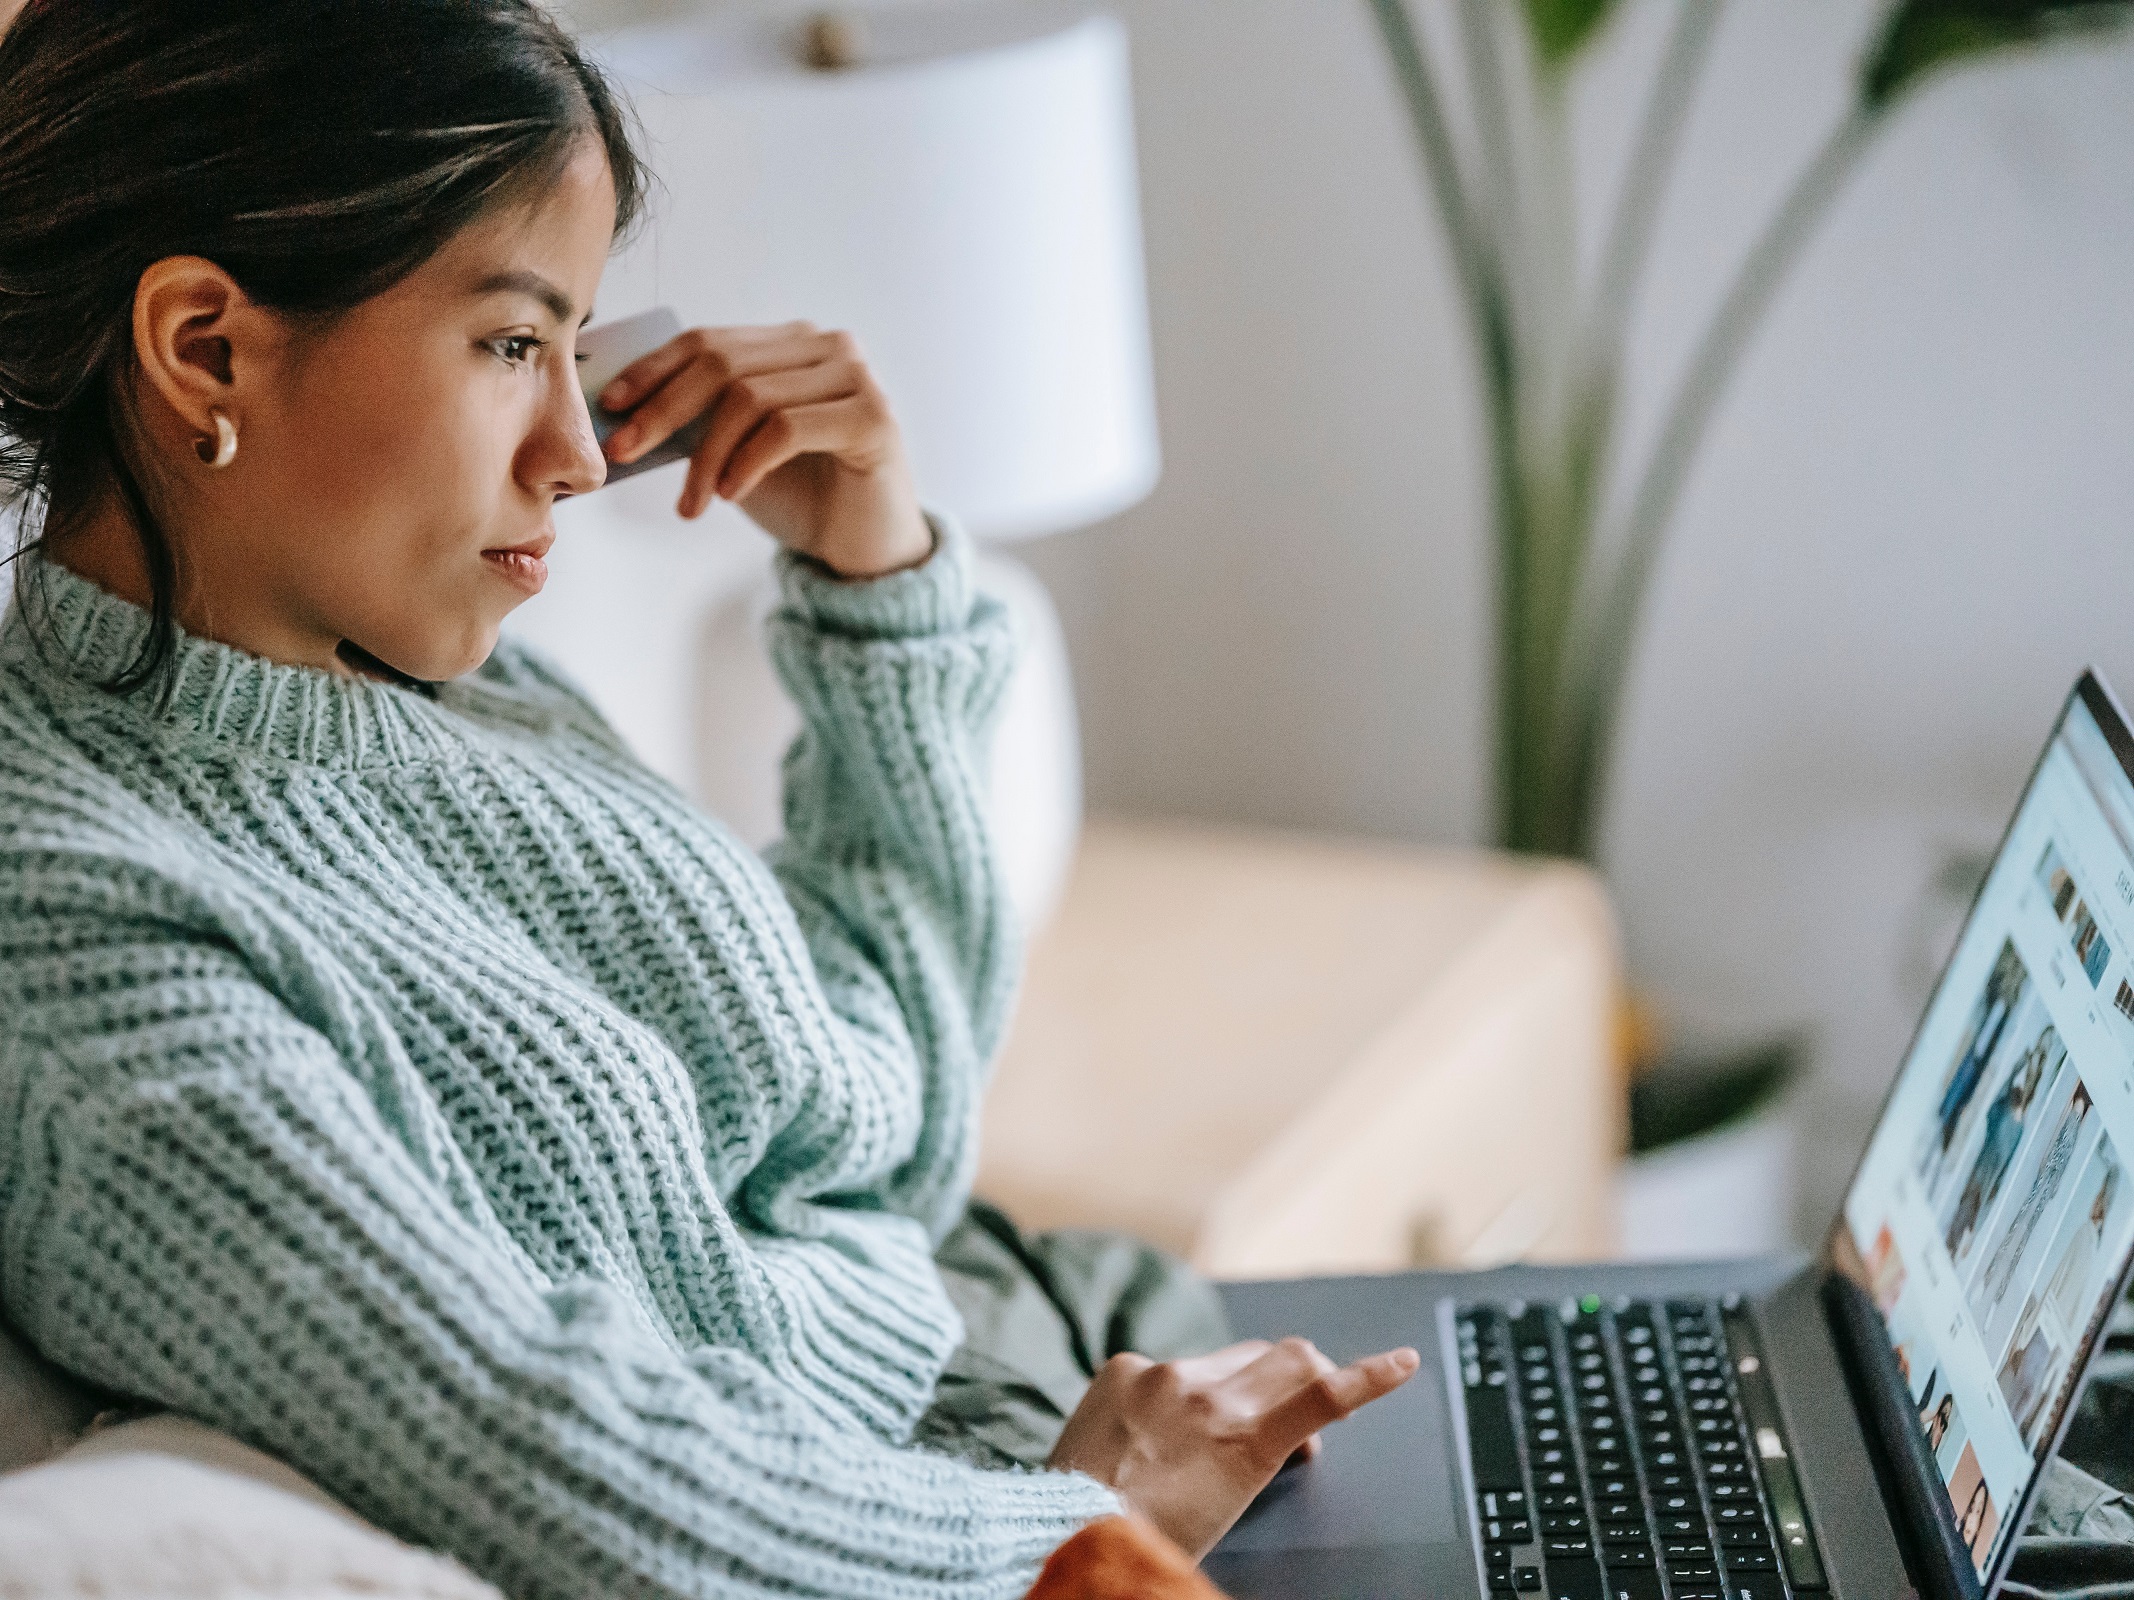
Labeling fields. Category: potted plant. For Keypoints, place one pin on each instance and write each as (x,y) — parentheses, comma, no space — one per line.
(1578,528)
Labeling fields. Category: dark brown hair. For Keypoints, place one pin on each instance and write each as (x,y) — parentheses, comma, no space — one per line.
(317,150)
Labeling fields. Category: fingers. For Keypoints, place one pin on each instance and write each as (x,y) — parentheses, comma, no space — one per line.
(1226,1362)
(742,408)
(673,385)
(836,427)
(1280,1372)
(649,371)
(1328,1397)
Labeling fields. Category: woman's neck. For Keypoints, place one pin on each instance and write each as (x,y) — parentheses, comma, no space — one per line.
(100,543)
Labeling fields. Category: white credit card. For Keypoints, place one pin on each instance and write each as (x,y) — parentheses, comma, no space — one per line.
(609,348)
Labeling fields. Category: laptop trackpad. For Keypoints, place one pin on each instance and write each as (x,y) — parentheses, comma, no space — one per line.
(1376,1513)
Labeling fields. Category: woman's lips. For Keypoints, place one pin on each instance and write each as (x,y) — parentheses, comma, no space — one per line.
(521,564)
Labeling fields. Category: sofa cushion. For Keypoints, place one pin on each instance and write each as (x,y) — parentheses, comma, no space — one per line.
(164,1508)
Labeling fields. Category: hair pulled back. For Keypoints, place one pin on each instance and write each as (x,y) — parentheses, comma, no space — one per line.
(316,150)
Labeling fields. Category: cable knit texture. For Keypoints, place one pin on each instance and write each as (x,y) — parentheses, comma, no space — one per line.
(413,1085)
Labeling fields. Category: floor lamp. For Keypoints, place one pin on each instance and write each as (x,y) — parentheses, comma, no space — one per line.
(956,184)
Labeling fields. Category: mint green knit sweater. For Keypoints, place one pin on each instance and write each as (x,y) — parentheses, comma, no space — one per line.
(425,1092)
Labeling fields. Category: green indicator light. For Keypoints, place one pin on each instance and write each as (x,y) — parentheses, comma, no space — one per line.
(1589,1304)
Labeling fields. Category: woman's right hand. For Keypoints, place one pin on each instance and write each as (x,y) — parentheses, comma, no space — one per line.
(1187,1444)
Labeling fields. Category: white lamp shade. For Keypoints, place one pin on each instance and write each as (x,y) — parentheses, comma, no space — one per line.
(972,216)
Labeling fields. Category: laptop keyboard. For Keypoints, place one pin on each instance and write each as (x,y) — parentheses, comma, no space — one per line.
(1630,1450)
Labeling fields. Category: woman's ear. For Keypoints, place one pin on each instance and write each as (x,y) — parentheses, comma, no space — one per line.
(196,335)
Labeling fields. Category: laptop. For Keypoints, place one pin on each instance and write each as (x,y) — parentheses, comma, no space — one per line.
(1866,1424)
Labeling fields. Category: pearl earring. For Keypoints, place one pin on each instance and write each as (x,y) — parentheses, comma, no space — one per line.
(224,442)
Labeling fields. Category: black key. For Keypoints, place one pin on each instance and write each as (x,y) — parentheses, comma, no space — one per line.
(1677,1505)
(1504,1530)
(1573,1527)
(1666,1482)
(1606,1487)
(1627,1555)
(1556,1457)
(1633,1585)
(1554,1548)
(1554,1478)
(1489,1440)
(1504,1503)
(1559,1501)
(1497,1555)
(1624,1533)
(1526,1579)
(1620,1511)
(1692,1571)
(1751,1561)
(1735,1516)
(1680,1527)
(1501,1582)
(1546,1434)
(1724,1492)
(1750,1586)
(1573,1580)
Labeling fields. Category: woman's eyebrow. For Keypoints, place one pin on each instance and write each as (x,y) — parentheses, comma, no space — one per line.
(522,281)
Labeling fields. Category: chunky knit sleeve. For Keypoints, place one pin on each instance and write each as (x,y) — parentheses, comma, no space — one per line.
(887,857)
(203,1204)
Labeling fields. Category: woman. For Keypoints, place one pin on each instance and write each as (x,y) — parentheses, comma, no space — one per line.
(394,1072)
(2005,1122)
(1971,1526)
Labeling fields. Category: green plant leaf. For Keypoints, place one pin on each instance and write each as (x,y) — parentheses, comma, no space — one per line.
(1562,27)
(1922,36)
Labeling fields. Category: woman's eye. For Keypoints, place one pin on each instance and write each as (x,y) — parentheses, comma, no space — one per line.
(516,348)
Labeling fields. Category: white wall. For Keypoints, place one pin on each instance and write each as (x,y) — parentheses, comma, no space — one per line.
(1914,520)
(1911,524)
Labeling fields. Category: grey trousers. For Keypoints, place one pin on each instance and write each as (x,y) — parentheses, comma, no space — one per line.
(1043,1311)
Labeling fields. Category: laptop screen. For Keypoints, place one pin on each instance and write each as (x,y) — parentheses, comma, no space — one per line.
(1994,1211)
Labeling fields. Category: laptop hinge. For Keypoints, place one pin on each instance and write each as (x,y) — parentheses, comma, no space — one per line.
(1920,1513)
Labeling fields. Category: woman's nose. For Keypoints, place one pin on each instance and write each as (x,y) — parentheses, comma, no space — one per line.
(563,455)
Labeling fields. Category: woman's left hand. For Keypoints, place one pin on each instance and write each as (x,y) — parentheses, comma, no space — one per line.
(798,435)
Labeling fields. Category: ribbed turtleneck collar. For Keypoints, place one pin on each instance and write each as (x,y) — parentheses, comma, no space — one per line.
(66,625)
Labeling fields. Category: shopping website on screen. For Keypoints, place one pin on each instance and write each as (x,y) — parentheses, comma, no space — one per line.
(1993,1210)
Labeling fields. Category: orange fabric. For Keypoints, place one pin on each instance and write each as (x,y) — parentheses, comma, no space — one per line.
(1121,1559)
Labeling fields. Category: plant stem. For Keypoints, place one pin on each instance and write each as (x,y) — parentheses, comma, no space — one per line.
(1500,215)
(1426,115)
(1479,272)
(1606,638)
(1630,232)
(1592,405)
